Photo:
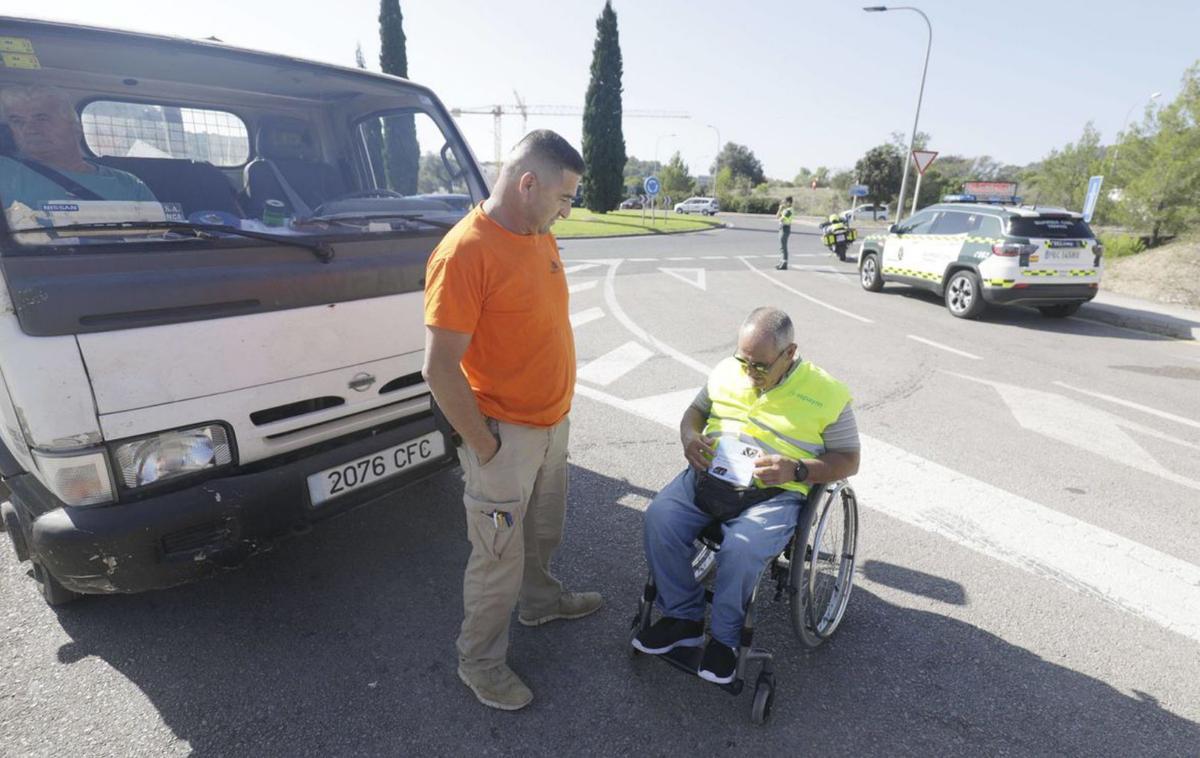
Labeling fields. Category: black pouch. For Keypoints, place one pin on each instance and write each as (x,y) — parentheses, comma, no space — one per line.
(724,501)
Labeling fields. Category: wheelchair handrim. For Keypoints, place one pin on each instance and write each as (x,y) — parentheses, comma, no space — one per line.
(826,623)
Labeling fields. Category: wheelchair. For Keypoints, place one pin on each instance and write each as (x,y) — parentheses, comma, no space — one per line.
(815,572)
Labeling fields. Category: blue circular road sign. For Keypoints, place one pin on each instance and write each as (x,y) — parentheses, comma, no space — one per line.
(651,185)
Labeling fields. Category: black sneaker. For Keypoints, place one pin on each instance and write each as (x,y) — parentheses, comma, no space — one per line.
(719,663)
(668,633)
(781,267)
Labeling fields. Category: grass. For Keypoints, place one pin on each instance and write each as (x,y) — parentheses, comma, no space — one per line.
(584,223)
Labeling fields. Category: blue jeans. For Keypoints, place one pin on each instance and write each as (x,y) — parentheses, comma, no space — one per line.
(751,540)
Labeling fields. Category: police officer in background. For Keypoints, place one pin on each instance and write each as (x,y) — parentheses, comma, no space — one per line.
(784,214)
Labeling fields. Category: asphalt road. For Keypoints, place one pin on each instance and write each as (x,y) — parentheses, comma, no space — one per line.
(1028,568)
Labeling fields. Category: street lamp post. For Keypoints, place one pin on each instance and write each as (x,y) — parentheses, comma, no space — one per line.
(1117,147)
(716,160)
(921,94)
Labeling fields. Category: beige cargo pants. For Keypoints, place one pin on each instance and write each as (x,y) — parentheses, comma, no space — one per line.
(515,506)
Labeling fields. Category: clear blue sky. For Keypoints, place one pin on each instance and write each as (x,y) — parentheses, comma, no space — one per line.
(802,83)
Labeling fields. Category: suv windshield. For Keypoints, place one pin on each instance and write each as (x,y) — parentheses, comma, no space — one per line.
(145,141)
(1049,227)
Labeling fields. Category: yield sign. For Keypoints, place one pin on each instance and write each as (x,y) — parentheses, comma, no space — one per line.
(923,158)
(693,276)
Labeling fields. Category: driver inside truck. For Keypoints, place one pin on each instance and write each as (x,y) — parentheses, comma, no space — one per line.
(49,164)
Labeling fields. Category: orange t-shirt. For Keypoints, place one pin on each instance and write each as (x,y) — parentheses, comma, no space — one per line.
(510,293)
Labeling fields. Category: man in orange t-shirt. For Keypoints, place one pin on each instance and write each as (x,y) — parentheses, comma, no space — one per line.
(500,361)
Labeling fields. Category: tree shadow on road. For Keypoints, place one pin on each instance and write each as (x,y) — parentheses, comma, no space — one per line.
(341,642)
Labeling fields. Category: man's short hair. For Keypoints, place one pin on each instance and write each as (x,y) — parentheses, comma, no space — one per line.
(770,321)
(19,92)
(545,149)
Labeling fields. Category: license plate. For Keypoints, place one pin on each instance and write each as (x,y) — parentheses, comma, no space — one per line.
(353,475)
(1061,254)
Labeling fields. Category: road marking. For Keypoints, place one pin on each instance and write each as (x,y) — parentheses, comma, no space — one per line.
(810,298)
(715,258)
(642,260)
(582,286)
(1091,429)
(576,268)
(585,317)
(610,297)
(947,348)
(682,258)
(692,276)
(615,364)
(1135,406)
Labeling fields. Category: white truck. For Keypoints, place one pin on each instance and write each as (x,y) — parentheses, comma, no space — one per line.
(210,298)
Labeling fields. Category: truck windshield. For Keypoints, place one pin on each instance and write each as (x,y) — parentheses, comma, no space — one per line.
(219,139)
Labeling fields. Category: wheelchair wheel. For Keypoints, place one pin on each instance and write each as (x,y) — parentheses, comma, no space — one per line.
(764,698)
(822,563)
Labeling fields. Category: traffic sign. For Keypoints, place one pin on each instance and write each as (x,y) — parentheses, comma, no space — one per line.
(859,190)
(651,185)
(1093,194)
(923,158)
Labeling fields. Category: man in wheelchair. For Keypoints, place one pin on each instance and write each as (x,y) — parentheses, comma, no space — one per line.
(765,428)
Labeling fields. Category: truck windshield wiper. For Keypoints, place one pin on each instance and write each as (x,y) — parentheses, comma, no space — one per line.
(349,218)
(322,250)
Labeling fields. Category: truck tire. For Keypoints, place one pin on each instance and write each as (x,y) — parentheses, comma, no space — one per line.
(52,592)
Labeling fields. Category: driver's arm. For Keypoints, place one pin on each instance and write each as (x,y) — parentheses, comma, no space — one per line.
(444,350)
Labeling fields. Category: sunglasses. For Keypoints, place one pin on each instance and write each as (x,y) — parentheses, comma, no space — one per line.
(755,366)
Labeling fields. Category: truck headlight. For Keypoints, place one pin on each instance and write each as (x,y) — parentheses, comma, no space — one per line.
(76,479)
(168,455)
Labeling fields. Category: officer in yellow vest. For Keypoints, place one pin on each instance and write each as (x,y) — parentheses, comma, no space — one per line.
(784,215)
(796,423)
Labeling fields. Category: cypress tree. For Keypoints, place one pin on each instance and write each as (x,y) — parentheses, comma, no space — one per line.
(603,140)
(401,154)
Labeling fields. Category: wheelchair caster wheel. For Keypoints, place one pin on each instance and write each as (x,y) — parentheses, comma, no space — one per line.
(764,698)
(634,629)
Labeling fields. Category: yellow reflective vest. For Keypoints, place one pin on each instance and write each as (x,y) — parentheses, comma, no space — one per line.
(785,216)
(787,420)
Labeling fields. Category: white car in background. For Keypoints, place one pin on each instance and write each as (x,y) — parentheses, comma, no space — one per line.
(866,212)
(706,205)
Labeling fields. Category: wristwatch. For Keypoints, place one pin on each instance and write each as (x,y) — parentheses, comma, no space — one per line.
(801,472)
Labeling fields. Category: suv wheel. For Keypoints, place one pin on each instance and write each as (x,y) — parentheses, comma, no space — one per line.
(1061,310)
(52,592)
(869,275)
(964,294)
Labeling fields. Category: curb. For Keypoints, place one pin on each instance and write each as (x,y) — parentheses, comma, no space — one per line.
(1143,316)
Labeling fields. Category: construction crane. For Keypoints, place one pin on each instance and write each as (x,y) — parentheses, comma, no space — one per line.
(497,112)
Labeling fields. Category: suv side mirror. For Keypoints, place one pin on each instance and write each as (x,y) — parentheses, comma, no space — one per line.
(894,229)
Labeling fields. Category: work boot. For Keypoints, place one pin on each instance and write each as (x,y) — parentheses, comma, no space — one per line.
(497,687)
(571,605)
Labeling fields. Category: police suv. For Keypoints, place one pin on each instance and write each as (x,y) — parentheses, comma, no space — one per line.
(973,254)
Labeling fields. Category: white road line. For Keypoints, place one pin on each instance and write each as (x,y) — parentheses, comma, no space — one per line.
(810,298)
(1135,406)
(610,297)
(614,364)
(1096,562)
(715,258)
(582,286)
(693,276)
(682,258)
(642,260)
(576,268)
(947,348)
(585,317)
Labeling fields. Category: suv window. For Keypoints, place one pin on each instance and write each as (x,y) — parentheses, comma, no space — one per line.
(918,224)
(1052,227)
(989,226)
(143,130)
(955,222)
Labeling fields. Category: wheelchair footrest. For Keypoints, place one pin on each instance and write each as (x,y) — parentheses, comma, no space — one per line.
(687,660)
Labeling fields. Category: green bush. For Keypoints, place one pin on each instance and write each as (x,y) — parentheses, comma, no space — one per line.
(1121,245)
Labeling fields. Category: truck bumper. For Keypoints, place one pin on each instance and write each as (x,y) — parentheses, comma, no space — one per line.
(178,536)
